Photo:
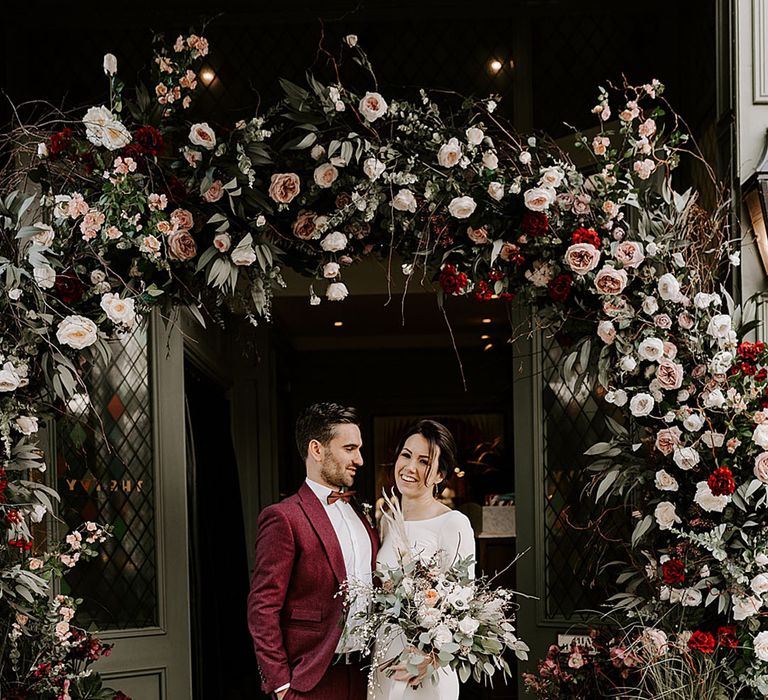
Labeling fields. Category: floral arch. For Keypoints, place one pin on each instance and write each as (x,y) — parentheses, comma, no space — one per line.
(131,207)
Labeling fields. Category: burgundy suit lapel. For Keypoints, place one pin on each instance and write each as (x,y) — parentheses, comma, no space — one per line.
(321,524)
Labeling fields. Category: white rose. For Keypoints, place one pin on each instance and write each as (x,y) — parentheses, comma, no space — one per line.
(337,291)
(669,287)
(760,436)
(760,645)
(95,119)
(373,168)
(691,598)
(325,175)
(707,500)
(468,626)
(115,136)
(429,617)
(551,177)
(628,363)
(714,399)
(496,191)
(745,606)
(650,305)
(462,207)
(9,378)
(761,559)
(617,398)
(45,276)
(202,135)
(42,150)
(686,458)
(317,152)
(404,201)
(759,584)
(372,106)
(719,326)
(651,349)
(441,635)
(119,310)
(721,362)
(665,515)
(694,422)
(330,270)
(44,236)
(606,331)
(474,135)
(702,300)
(539,198)
(761,467)
(525,157)
(110,64)
(449,153)
(222,242)
(27,425)
(490,160)
(641,404)
(334,242)
(243,255)
(665,481)
(77,331)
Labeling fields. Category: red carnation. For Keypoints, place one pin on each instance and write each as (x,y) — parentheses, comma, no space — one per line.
(673,572)
(451,280)
(535,223)
(149,140)
(68,288)
(721,482)
(586,235)
(750,351)
(726,637)
(560,287)
(702,641)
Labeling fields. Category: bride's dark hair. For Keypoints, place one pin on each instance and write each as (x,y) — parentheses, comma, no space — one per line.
(436,435)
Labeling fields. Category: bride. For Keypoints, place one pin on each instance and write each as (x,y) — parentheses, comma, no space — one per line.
(425,457)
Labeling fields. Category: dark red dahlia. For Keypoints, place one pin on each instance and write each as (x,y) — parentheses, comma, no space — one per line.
(586,235)
(559,288)
(721,482)
(750,351)
(60,142)
(451,280)
(673,572)
(726,637)
(702,641)
(68,287)
(535,223)
(149,140)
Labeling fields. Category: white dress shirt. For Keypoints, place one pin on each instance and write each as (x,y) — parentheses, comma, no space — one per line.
(355,545)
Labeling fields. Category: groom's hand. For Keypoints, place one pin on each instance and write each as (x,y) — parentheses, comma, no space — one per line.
(401,673)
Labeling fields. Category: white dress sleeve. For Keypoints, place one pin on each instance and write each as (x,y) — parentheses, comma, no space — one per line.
(457,540)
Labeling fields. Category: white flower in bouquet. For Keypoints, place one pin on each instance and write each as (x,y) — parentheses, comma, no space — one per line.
(45,276)
(474,135)
(449,154)
(759,584)
(325,175)
(9,377)
(372,106)
(617,398)
(468,626)
(761,468)
(334,242)
(110,64)
(460,596)
(665,515)
(43,237)
(373,168)
(665,481)
(351,40)
(496,191)
(650,305)
(551,177)
(669,287)
(330,270)
(77,332)
(26,425)
(712,439)
(721,362)
(102,129)
(337,291)
(119,310)
(539,198)
(441,635)
(525,157)
(490,160)
(222,242)
(702,300)
(686,458)
(317,152)
(462,207)
(719,326)
(690,598)
(708,501)
(760,645)
(404,200)
(202,135)
(243,255)
(429,617)
(760,435)
(606,331)
(714,399)
(654,641)
(694,422)
(745,606)
(641,404)
(628,363)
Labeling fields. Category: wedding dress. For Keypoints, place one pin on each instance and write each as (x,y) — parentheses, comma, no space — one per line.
(452,536)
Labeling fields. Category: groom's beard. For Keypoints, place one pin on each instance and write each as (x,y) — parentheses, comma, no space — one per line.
(337,474)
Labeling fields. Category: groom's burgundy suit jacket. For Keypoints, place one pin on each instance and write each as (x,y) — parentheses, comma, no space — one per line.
(294,615)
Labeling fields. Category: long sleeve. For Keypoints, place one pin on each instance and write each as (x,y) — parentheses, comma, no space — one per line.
(457,540)
(275,550)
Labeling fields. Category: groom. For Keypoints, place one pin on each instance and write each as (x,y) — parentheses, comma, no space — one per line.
(306,546)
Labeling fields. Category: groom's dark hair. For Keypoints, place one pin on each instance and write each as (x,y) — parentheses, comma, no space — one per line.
(318,421)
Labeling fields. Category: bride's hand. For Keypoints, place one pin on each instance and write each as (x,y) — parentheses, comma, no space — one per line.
(400,672)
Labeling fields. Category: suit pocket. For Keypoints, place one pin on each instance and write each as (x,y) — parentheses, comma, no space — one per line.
(306,615)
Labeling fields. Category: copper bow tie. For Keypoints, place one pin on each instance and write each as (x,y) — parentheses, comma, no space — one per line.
(334,496)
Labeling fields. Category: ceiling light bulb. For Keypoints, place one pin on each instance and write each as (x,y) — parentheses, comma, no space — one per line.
(488,347)
(207,76)
(338,324)
(484,337)
(487,320)
(496,65)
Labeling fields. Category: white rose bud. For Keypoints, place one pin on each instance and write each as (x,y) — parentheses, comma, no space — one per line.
(525,157)
(337,291)
(474,135)
(496,191)
(222,242)
(330,270)
(110,64)
(334,242)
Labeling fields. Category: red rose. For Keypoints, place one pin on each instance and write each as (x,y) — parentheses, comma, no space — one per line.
(673,572)
(149,140)
(721,482)
(60,142)
(535,223)
(726,637)
(762,374)
(702,641)
(68,287)
(560,287)
(483,292)
(451,280)
(586,235)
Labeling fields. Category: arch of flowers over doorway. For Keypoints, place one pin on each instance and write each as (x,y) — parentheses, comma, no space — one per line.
(131,206)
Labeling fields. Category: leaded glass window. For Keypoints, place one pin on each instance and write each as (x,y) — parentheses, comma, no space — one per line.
(105,473)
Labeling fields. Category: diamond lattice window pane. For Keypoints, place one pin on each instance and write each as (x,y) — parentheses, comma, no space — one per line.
(105,472)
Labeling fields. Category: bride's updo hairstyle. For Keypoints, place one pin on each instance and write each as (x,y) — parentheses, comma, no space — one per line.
(436,435)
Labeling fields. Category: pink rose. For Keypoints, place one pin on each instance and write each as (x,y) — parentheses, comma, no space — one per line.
(662,321)
(215,192)
(610,281)
(581,204)
(182,219)
(508,251)
(181,246)
(761,467)
(325,175)
(685,320)
(284,187)
(629,253)
(644,168)
(667,439)
(582,257)
(670,350)
(669,375)
(647,128)
(165,226)
(304,226)
(606,332)
(478,235)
